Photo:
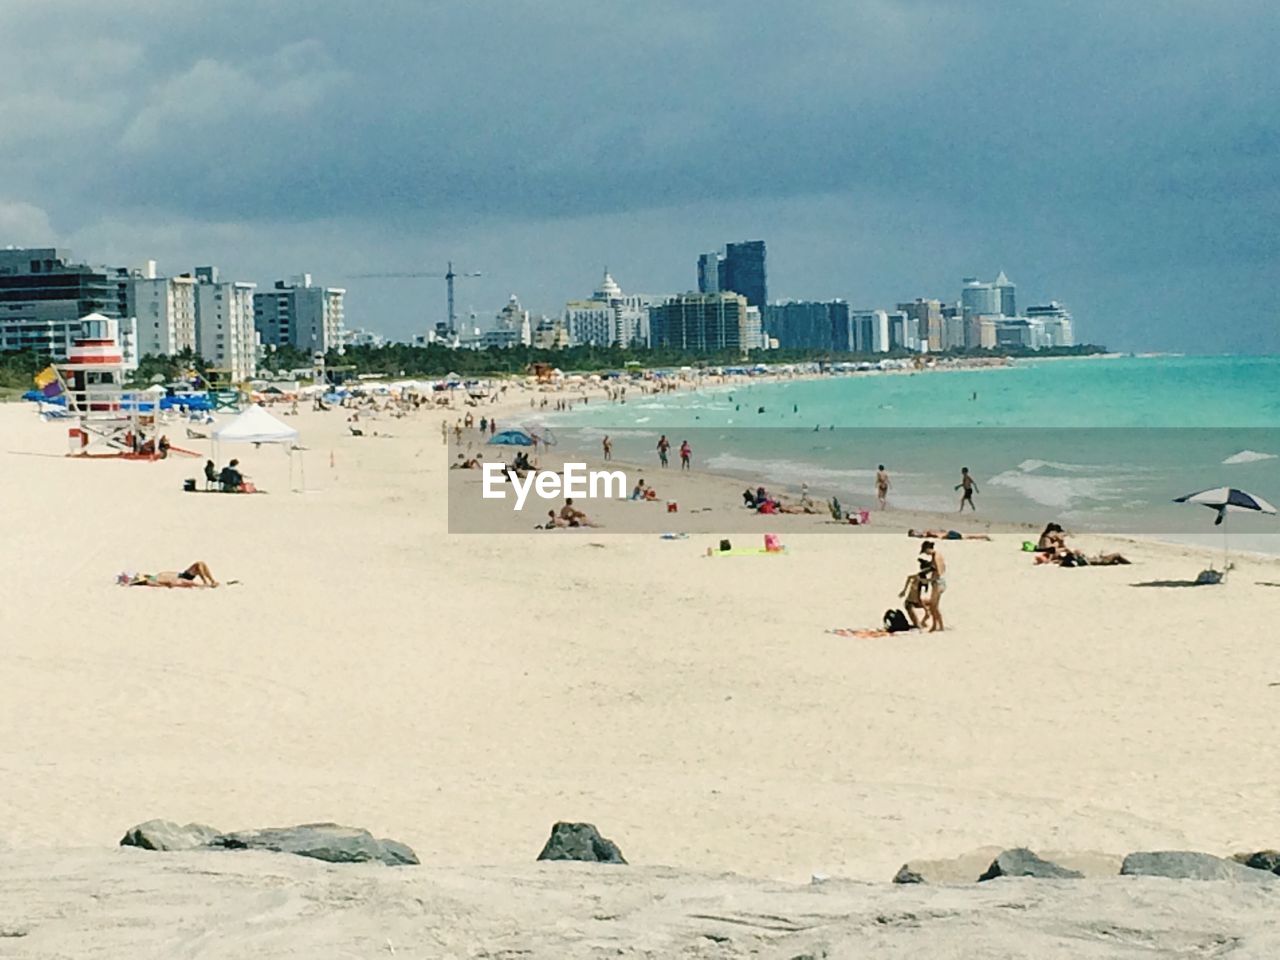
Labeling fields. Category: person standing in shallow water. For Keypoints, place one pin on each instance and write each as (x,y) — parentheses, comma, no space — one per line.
(686,452)
(607,445)
(882,486)
(663,446)
(969,487)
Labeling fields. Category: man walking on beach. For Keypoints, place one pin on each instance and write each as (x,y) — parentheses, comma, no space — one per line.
(608,447)
(882,486)
(663,446)
(970,488)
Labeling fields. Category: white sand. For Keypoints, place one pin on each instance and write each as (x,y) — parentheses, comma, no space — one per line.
(107,905)
(462,693)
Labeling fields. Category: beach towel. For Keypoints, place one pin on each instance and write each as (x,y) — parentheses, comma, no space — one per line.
(749,552)
(861,634)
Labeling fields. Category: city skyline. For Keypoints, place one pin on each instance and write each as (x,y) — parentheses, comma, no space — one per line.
(1126,165)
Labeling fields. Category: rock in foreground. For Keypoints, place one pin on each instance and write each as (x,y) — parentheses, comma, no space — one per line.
(1188,865)
(1262,860)
(1021,862)
(320,841)
(167,835)
(580,841)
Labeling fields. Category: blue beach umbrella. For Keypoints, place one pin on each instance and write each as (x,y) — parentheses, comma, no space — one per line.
(512,438)
(1226,500)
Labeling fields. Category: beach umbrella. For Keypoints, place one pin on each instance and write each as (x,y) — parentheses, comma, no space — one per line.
(512,438)
(1224,500)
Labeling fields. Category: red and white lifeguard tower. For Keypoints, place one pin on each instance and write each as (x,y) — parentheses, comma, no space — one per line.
(93,380)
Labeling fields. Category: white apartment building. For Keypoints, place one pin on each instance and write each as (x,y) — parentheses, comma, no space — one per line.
(753,329)
(1058,327)
(871,331)
(225,332)
(610,317)
(165,309)
(302,315)
(512,327)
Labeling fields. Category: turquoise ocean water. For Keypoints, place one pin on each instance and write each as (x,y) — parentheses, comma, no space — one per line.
(1099,444)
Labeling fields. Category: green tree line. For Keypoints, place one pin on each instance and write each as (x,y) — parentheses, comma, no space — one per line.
(403,360)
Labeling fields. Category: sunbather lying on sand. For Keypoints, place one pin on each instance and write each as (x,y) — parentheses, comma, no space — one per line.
(196,575)
(945,535)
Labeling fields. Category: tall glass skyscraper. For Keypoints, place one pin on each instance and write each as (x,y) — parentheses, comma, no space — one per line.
(743,271)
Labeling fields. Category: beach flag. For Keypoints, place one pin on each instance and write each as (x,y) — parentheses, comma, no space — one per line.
(48,383)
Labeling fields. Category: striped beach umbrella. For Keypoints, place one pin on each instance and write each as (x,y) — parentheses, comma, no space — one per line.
(1226,500)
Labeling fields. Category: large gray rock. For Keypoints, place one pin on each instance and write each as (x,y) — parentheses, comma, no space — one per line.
(580,841)
(1188,865)
(963,869)
(321,841)
(1262,860)
(1021,862)
(167,835)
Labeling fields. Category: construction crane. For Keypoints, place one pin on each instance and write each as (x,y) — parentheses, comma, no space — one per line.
(448,277)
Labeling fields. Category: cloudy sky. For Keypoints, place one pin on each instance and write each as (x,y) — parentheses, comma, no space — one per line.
(1117,155)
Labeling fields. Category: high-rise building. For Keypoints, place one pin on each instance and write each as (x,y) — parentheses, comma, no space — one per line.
(981,305)
(701,322)
(1008,295)
(979,299)
(904,331)
(43,295)
(610,317)
(809,325)
(512,328)
(871,331)
(927,315)
(225,333)
(1058,327)
(743,271)
(753,337)
(710,266)
(165,308)
(299,314)
(953,333)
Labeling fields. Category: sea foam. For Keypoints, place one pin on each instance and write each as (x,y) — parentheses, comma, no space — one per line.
(1248,456)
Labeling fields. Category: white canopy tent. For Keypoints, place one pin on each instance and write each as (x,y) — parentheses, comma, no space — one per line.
(255,425)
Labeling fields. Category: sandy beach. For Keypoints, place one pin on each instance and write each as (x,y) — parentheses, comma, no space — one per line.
(461,693)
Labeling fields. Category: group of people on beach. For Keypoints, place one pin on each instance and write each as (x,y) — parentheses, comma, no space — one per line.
(966,486)
(922,592)
(686,452)
(230,479)
(1052,548)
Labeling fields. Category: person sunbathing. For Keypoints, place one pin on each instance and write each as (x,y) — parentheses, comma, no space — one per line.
(574,517)
(196,575)
(945,535)
(553,522)
(1052,539)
